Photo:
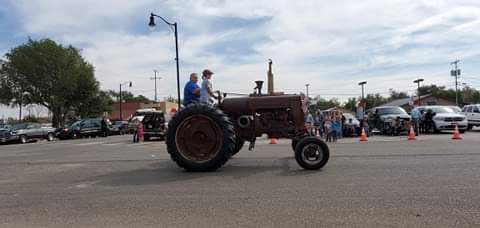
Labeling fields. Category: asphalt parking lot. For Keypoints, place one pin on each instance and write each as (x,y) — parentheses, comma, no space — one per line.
(110,182)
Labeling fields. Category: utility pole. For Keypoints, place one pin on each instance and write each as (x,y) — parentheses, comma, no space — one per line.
(418,89)
(455,73)
(155,78)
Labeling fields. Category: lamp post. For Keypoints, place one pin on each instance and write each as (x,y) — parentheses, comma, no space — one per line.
(418,89)
(306,86)
(174,25)
(362,84)
(21,104)
(120,103)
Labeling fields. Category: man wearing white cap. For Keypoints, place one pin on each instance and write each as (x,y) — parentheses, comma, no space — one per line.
(206,92)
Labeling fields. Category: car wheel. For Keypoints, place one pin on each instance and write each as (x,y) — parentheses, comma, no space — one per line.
(435,129)
(50,137)
(238,145)
(23,139)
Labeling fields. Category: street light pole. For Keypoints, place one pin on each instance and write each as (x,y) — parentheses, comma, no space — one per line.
(306,86)
(174,25)
(418,89)
(362,84)
(21,104)
(20,111)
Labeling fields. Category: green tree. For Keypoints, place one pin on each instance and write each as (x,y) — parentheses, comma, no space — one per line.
(319,103)
(351,104)
(127,96)
(394,95)
(52,75)
(430,89)
(95,106)
(374,100)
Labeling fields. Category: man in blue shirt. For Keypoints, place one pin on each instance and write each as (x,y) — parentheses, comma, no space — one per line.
(191,92)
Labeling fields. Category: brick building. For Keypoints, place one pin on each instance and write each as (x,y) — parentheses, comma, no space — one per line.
(129,108)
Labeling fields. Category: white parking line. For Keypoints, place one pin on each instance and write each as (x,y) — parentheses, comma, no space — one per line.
(87,144)
(114,144)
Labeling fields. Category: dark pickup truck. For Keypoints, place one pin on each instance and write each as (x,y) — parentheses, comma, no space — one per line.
(390,120)
(154,125)
(25,132)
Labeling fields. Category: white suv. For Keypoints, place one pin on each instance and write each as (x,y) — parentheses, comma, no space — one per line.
(446,118)
(472,112)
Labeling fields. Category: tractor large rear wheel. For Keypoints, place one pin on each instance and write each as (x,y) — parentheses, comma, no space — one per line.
(238,145)
(200,138)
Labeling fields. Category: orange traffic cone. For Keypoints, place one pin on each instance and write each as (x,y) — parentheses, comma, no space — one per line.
(273,141)
(456,133)
(411,134)
(363,136)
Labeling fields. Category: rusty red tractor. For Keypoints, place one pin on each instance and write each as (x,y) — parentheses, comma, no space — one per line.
(203,137)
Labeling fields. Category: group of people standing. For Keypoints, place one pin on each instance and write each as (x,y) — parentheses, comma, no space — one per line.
(328,126)
(422,121)
(193,93)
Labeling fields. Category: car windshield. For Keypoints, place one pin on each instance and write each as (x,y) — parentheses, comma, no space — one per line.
(4,127)
(391,110)
(456,109)
(440,109)
(76,124)
(19,126)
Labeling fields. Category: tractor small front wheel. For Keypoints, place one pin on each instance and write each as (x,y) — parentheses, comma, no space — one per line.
(311,153)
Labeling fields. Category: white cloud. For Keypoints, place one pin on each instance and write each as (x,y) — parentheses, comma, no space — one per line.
(330,45)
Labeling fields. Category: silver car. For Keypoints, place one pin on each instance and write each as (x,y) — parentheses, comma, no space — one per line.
(445,118)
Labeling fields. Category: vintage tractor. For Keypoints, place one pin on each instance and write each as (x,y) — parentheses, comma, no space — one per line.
(204,137)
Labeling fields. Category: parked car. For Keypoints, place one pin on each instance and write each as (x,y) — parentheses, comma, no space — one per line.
(351,126)
(445,118)
(6,134)
(119,127)
(472,112)
(90,127)
(154,125)
(389,120)
(456,109)
(138,116)
(25,132)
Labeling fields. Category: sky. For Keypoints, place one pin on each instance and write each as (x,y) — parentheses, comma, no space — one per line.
(331,45)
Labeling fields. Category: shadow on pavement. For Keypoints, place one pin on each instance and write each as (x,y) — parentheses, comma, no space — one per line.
(167,172)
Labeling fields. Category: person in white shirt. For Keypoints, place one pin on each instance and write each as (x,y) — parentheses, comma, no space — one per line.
(206,92)
(416,118)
